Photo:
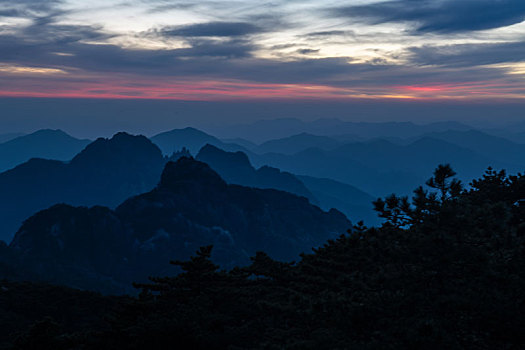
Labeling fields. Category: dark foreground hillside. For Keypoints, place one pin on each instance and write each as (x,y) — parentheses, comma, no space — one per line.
(444,272)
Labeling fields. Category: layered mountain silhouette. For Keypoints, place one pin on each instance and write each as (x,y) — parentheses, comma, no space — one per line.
(191,139)
(380,166)
(102,249)
(106,172)
(48,144)
(235,168)
(490,146)
(354,203)
(298,143)
(9,136)
(264,130)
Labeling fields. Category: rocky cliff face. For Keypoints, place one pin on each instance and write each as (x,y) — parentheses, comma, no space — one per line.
(192,206)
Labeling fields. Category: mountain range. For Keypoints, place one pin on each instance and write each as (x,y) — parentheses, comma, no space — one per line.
(192,206)
(106,172)
(236,168)
(9,136)
(309,165)
(385,165)
(380,167)
(48,144)
(191,139)
(265,130)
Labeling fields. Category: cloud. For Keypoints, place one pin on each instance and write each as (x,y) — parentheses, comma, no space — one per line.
(440,16)
(330,33)
(30,5)
(227,51)
(11,13)
(213,29)
(308,51)
(226,58)
(468,55)
(44,30)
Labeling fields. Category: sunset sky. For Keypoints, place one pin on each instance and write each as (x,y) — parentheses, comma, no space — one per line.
(223,50)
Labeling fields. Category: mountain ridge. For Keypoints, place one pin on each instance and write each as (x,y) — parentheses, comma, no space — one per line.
(106,172)
(45,143)
(105,250)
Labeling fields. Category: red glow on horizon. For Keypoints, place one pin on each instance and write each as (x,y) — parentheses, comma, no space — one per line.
(189,90)
(169,88)
(422,88)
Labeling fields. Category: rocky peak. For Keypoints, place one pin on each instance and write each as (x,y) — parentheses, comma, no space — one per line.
(120,146)
(189,171)
(235,159)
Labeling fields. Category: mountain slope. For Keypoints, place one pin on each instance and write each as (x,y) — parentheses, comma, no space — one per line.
(380,167)
(106,172)
(297,143)
(106,250)
(264,130)
(48,144)
(487,145)
(354,203)
(190,138)
(235,168)
(9,136)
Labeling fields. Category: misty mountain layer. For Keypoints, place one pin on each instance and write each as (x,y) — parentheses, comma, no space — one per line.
(101,249)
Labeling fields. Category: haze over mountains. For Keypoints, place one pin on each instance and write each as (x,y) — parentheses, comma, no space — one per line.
(235,167)
(108,171)
(265,130)
(189,138)
(9,136)
(105,173)
(269,129)
(345,171)
(48,144)
(106,250)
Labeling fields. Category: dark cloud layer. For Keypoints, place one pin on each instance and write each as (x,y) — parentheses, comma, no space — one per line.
(11,13)
(218,29)
(32,5)
(448,16)
(468,55)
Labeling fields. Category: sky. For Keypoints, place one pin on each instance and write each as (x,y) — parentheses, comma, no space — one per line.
(454,50)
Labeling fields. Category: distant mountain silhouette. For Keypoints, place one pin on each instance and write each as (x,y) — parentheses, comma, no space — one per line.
(494,147)
(106,250)
(297,143)
(264,130)
(354,203)
(235,168)
(380,167)
(9,136)
(106,172)
(241,142)
(190,138)
(48,144)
